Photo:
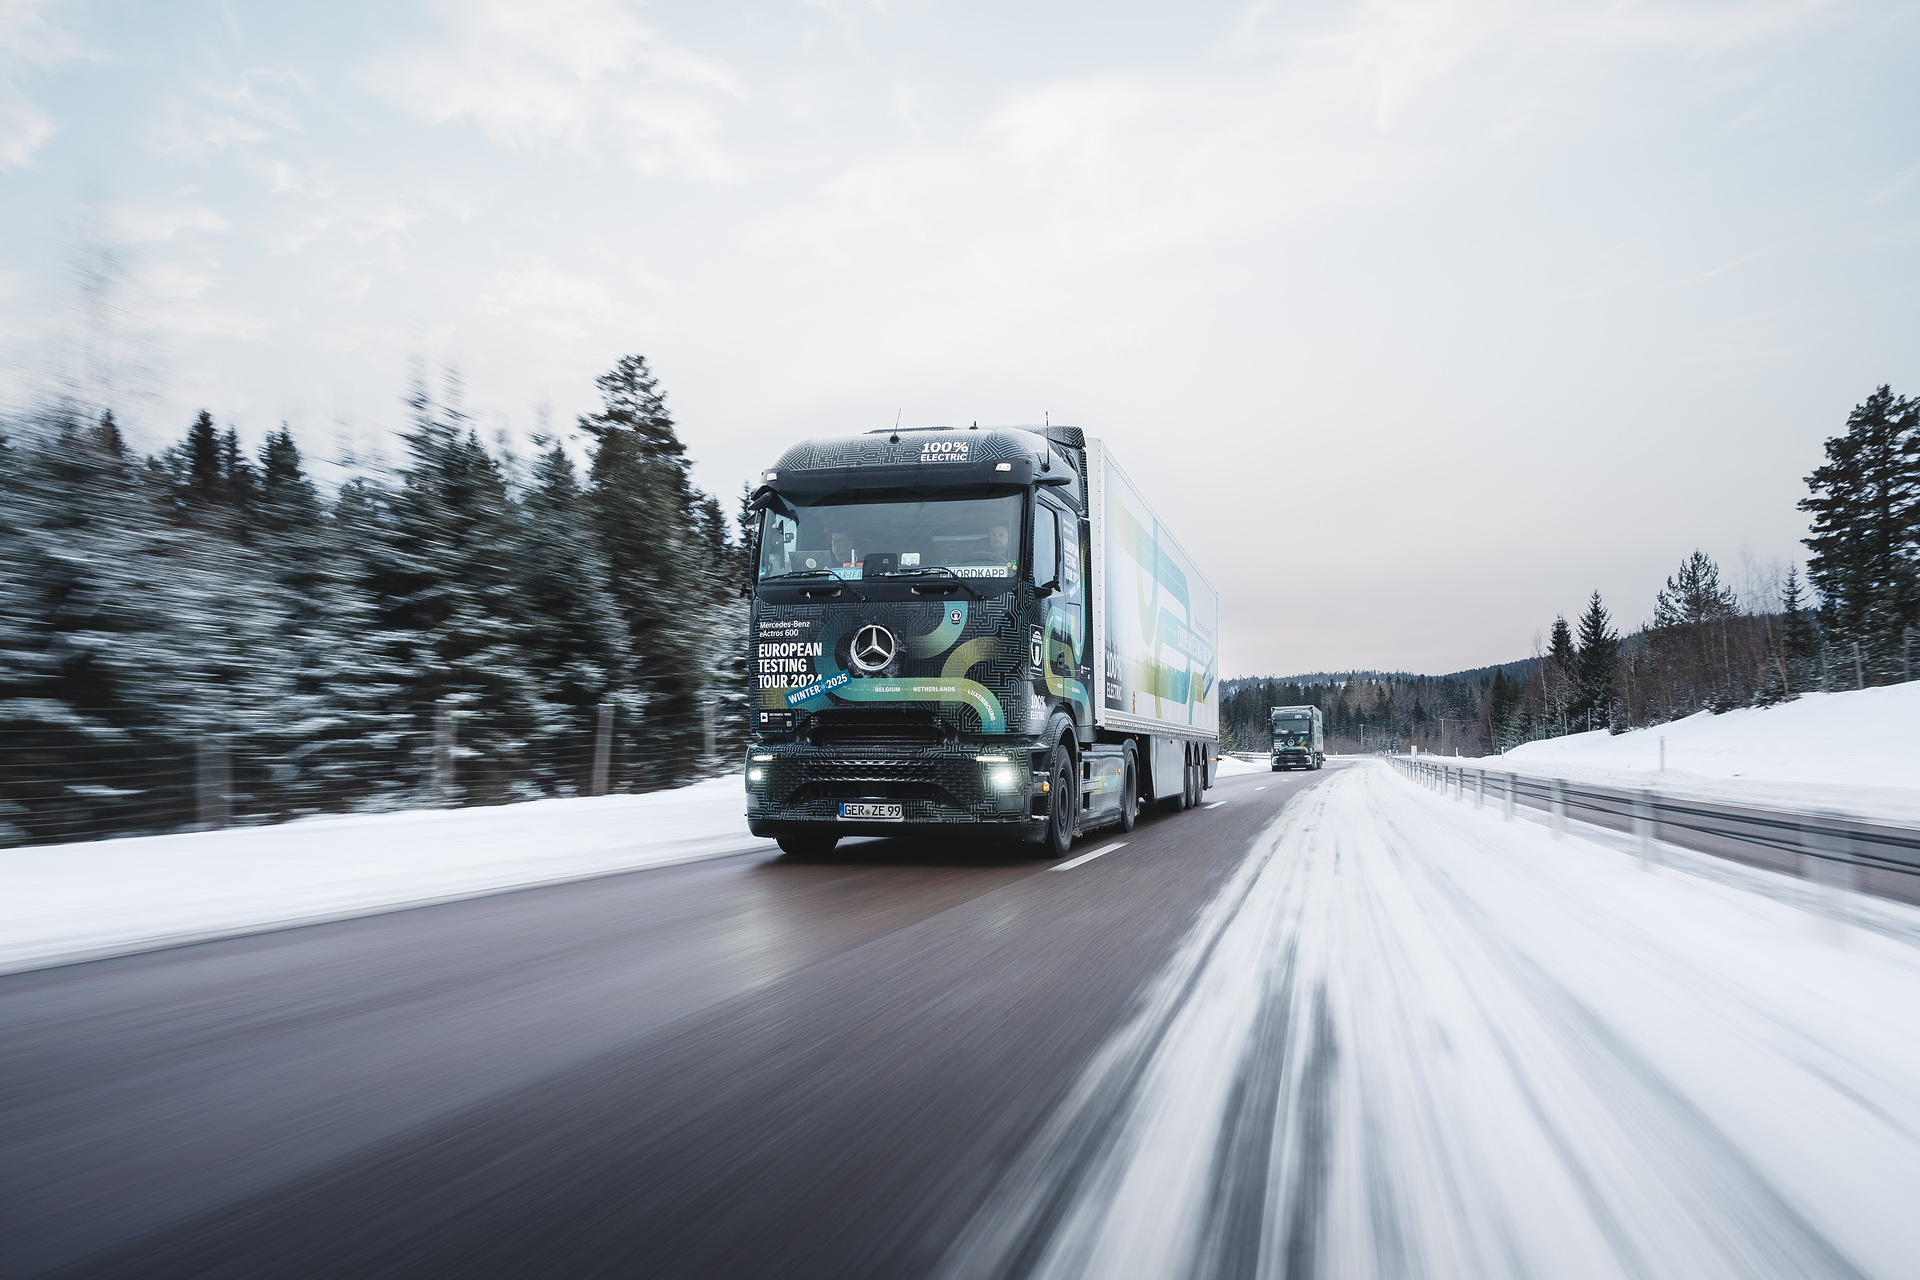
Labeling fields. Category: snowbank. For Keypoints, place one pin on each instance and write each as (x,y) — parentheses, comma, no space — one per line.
(67,902)
(1857,752)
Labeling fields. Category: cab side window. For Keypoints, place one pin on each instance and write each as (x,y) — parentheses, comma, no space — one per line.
(1046,544)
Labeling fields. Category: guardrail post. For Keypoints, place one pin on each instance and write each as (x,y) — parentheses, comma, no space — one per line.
(213,782)
(603,749)
(443,748)
(1643,826)
(1558,800)
(1823,861)
(1509,805)
(1480,790)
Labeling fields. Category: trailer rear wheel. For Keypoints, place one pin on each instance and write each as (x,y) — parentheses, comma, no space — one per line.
(1129,788)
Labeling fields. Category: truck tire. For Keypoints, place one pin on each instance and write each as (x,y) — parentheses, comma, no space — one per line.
(808,846)
(1196,779)
(1129,788)
(1066,803)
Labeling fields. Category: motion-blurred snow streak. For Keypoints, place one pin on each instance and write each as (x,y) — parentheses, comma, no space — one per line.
(1412,1040)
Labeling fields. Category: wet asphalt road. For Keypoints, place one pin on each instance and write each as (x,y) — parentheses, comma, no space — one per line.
(746,1066)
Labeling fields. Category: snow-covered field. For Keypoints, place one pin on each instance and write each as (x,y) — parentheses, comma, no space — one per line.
(1856,752)
(107,897)
(1409,1038)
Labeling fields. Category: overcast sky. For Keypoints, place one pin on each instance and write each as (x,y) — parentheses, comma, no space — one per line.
(1417,321)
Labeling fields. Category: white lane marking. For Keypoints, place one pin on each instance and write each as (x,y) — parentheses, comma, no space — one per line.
(1259,788)
(1216,804)
(1071,863)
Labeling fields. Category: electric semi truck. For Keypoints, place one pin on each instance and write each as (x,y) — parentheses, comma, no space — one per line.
(973,630)
(1297,739)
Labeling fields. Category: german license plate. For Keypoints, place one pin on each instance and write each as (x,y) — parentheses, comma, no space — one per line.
(874,812)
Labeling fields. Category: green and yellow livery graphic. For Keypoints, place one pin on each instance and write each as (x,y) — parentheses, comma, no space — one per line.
(832,683)
(1163,667)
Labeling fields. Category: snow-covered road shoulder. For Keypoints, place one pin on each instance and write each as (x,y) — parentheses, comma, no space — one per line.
(61,903)
(1409,1037)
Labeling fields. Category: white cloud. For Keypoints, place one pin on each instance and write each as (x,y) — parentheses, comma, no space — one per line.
(251,107)
(27,40)
(150,223)
(539,296)
(578,74)
(175,302)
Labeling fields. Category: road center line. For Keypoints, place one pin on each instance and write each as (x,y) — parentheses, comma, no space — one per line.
(1071,863)
(1216,804)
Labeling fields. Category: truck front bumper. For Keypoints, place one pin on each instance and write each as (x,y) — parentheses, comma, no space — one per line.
(794,788)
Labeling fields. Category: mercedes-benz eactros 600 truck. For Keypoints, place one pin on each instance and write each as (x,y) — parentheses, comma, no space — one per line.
(974,630)
(1298,742)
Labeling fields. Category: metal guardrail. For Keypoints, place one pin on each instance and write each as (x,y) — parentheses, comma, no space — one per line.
(1827,847)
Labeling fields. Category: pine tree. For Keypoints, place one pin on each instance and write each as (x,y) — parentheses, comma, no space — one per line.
(200,456)
(1865,542)
(1688,634)
(450,625)
(577,642)
(1561,669)
(642,510)
(1599,649)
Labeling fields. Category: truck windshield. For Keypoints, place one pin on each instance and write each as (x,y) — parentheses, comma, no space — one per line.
(1291,735)
(854,535)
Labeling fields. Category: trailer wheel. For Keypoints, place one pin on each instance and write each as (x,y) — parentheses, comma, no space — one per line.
(808,846)
(1129,788)
(1196,774)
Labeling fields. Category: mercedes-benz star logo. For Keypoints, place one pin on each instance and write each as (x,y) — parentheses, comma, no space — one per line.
(872,647)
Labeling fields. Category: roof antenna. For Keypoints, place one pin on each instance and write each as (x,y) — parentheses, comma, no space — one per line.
(895,437)
(975,426)
(1046,418)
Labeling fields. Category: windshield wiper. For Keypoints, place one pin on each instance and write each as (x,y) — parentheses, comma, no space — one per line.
(923,570)
(814,573)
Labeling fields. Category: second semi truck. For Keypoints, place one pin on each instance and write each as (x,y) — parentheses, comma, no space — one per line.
(982,629)
(1298,742)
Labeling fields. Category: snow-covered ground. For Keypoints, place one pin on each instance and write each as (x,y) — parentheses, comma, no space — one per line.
(107,897)
(1408,1038)
(1856,752)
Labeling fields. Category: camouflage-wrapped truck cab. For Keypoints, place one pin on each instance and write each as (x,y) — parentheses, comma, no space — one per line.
(973,628)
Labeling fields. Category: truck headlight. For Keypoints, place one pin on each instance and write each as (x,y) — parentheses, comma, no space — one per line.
(755,775)
(1001,779)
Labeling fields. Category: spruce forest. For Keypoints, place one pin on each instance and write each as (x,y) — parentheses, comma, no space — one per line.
(206,636)
(1850,622)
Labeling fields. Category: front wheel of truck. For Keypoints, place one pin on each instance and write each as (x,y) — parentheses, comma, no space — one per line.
(1065,796)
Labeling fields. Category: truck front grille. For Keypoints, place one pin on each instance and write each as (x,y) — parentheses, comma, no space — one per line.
(861,730)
